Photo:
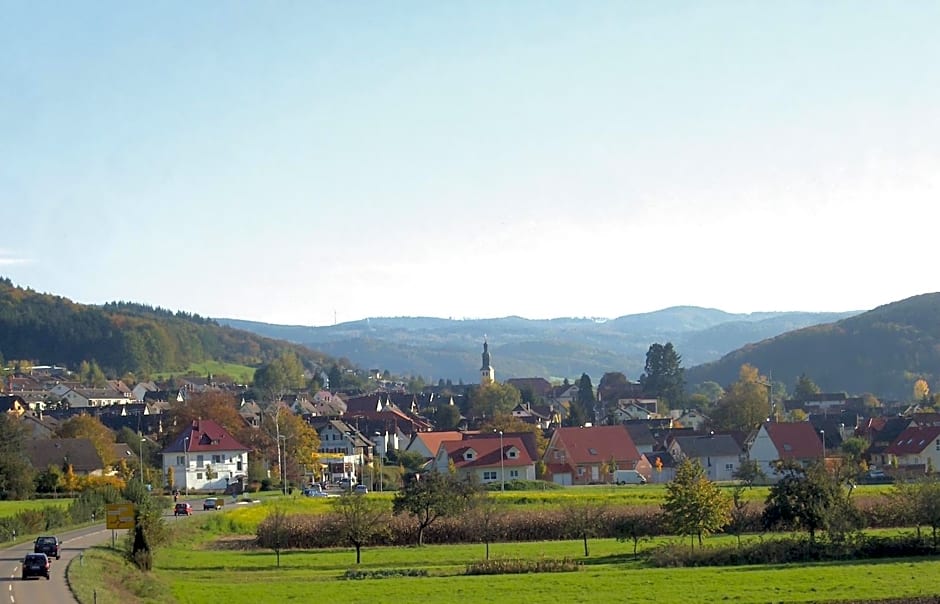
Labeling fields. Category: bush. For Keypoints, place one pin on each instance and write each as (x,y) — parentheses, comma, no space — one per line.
(519,567)
(387,573)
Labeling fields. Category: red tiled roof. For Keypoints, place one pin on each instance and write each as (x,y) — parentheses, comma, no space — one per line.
(488,452)
(433,440)
(795,440)
(596,444)
(204,435)
(913,440)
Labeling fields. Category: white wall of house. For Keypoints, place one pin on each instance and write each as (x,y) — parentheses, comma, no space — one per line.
(190,469)
(764,452)
(930,456)
(496,474)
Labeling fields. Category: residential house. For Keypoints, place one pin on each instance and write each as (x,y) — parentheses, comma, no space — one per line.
(718,454)
(664,467)
(586,455)
(79,453)
(344,450)
(205,457)
(13,404)
(429,443)
(84,398)
(777,441)
(538,386)
(917,449)
(486,458)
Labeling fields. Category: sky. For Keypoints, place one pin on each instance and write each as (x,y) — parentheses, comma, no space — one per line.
(317,162)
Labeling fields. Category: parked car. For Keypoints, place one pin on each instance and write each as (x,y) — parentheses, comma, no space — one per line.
(315,491)
(213,503)
(183,509)
(345,483)
(48,545)
(361,489)
(36,565)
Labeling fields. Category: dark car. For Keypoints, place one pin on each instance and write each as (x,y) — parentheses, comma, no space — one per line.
(36,565)
(183,509)
(47,545)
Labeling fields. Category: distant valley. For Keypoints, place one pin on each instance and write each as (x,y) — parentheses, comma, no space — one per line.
(450,349)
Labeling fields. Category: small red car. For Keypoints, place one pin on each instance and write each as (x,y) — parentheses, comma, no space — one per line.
(183,509)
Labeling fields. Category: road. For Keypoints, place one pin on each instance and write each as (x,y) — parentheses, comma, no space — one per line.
(41,591)
(55,590)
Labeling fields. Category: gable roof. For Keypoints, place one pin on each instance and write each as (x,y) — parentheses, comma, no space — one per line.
(538,385)
(80,452)
(432,440)
(795,440)
(204,435)
(487,452)
(913,440)
(710,445)
(596,444)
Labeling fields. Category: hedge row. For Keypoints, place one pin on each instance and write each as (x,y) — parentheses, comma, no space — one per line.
(303,531)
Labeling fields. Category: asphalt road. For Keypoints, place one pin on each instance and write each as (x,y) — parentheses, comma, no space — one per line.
(56,590)
(41,591)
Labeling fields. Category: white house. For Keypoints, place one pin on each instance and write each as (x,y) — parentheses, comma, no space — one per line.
(917,449)
(719,454)
(205,457)
(776,441)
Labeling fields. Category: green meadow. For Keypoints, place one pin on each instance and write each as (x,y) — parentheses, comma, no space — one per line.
(211,559)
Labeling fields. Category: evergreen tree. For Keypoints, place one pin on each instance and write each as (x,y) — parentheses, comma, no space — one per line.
(805,388)
(663,374)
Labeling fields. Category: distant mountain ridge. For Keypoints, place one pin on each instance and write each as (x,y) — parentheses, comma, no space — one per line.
(437,348)
(882,351)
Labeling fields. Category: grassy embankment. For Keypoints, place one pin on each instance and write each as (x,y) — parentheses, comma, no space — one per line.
(201,566)
(240,373)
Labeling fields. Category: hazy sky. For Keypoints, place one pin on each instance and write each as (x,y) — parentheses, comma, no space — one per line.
(300,162)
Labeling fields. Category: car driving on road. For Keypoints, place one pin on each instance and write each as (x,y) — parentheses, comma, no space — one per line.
(183,509)
(48,545)
(36,565)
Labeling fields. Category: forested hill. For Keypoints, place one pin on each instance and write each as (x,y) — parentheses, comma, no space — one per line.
(124,337)
(553,348)
(883,351)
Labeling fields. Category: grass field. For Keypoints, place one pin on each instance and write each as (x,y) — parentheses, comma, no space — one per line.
(193,571)
(240,373)
(9,508)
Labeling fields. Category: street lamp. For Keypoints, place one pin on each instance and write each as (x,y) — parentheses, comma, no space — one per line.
(282,460)
(822,434)
(142,461)
(502,470)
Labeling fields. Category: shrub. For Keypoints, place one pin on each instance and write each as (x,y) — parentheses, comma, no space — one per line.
(387,573)
(519,567)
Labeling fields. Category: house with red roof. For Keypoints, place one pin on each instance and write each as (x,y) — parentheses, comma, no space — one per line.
(916,449)
(428,443)
(205,457)
(776,441)
(587,455)
(486,458)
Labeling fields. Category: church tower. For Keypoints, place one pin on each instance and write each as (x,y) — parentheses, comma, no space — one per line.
(487,375)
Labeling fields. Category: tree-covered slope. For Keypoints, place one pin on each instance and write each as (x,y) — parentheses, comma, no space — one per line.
(122,337)
(882,351)
(552,348)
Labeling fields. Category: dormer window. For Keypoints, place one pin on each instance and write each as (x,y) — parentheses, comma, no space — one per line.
(469,454)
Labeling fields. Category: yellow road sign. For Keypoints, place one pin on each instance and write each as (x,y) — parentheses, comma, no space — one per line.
(120,515)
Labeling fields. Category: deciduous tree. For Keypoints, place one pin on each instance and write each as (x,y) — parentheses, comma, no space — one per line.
(86,426)
(746,404)
(431,496)
(810,499)
(694,505)
(362,519)
(494,399)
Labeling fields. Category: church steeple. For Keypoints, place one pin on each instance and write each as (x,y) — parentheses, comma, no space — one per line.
(487,375)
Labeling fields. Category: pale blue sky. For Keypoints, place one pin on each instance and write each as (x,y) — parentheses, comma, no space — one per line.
(295,162)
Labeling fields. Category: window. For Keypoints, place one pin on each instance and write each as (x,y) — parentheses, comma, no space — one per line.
(489,475)
(180,460)
(580,470)
(729,467)
(200,461)
(514,473)
(198,475)
(512,454)
(216,459)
